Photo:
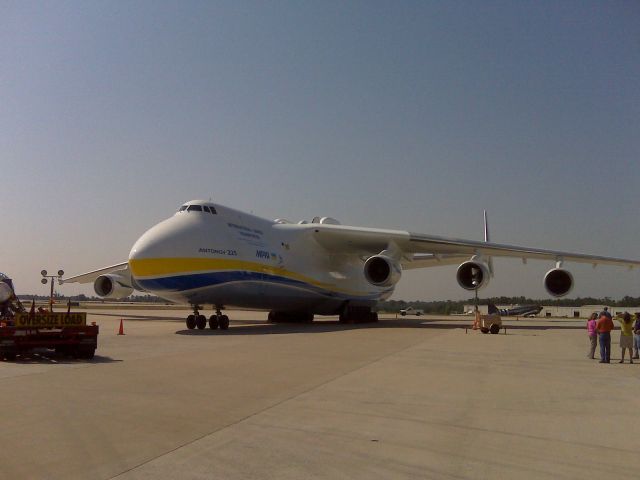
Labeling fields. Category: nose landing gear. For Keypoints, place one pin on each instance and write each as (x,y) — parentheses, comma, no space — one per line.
(200,321)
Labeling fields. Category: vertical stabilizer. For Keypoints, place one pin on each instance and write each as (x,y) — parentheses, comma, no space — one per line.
(486,239)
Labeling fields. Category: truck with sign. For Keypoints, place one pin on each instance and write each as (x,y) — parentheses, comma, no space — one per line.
(66,333)
(20,331)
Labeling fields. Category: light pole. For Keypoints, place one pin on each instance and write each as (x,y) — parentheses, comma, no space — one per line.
(51,280)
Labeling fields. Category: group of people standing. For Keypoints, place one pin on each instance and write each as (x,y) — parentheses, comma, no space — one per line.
(599,328)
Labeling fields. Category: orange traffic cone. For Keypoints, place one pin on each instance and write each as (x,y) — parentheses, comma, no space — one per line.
(121,331)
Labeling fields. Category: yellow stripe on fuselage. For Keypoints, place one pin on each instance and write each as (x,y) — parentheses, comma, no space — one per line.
(158,267)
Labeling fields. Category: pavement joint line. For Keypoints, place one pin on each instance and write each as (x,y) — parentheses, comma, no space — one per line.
(446,426)
(269,407)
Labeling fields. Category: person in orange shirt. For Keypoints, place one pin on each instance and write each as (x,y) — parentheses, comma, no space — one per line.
(604,327)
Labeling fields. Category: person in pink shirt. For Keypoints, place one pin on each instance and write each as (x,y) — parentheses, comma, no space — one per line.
(593,334)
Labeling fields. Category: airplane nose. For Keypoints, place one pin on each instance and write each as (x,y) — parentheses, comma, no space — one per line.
(160,241)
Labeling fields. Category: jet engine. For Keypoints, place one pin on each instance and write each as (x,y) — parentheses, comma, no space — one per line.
(558,282)
(382,271)
(5,292)
(112,286)
(472,275)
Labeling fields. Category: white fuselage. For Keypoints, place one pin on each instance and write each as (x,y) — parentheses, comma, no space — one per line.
(230,258)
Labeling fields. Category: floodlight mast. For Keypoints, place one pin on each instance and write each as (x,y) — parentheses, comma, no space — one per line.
(51,280)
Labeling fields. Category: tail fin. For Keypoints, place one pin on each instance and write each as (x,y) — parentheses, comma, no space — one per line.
(486,239)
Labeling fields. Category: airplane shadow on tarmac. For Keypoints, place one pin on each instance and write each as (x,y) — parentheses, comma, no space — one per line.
(244,327)
(50,357)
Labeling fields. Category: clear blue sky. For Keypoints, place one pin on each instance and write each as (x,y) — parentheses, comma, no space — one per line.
(411,115)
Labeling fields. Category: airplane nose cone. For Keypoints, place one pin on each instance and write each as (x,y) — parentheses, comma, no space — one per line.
(160,241)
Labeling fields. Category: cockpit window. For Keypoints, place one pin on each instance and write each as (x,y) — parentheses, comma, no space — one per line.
(182,208)
(196,208)
(213,210)
(206,209)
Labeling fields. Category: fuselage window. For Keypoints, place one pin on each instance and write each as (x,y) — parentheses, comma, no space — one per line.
(206,209)
(196,208)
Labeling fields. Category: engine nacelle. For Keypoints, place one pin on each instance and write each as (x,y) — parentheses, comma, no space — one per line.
(5,292)
(558,282)
(472,275)
(112,286)
(382,271)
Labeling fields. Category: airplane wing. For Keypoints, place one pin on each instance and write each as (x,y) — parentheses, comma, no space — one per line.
(430,250)
(91,276)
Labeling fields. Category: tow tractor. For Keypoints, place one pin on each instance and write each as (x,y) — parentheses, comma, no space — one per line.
(21,331)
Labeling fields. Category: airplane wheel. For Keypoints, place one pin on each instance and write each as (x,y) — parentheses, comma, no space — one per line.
(224,322)
(191,322)
(201,322)
(484,330)
(494,328)
(213,322)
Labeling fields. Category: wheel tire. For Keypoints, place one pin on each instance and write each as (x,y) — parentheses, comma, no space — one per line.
(494,328)
(8,355)
(85,353)
(63,350)
(224,322)
(213,322)
(484,330)
(191,322)
(201,322)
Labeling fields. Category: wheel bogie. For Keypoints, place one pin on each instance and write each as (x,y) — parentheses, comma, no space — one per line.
(289,317)
(358,315)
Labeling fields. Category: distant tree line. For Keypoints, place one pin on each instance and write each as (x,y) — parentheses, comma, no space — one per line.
(440,307)
(447,307)
(84,298)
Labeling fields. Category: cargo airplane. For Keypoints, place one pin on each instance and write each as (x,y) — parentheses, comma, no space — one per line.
(208,254)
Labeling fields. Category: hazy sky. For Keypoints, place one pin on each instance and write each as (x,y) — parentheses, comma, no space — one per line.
(410,115)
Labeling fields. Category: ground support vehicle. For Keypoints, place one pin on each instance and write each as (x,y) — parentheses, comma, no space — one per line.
(66,333)
(491,323)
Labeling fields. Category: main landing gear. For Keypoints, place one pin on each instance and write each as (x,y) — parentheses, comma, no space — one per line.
(290,317)
(200,321)
(358,315)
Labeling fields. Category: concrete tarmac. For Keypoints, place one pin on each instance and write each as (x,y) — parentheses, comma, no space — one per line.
(404,398)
